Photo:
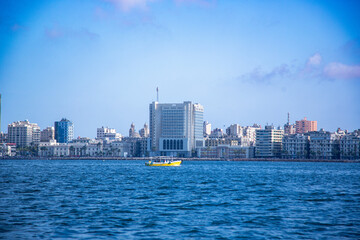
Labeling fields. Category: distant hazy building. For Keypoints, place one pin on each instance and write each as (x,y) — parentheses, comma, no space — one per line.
(23,133)
(176,128)
(235,130)
(107,133)
(304,126)
(47,134)
(268,142)
(144,132)
(132,132)
(3,137)
(206,129)
(64,131)
(217,133)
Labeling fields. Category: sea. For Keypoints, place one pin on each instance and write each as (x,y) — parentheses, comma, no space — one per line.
(117,199)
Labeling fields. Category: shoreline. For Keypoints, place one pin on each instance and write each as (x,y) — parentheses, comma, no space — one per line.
(186,159)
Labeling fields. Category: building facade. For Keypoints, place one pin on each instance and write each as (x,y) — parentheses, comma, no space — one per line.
(176,129)
(295,146)
(304,126)
(269,142)
(47,134)
(323,145)
(23,133)
(64,131)
(350,145)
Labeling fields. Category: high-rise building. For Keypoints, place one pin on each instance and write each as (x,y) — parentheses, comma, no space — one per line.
(304,126)
(176,129)
(64,131)
(207,129)
(268,142)
(47,134)
(23,133)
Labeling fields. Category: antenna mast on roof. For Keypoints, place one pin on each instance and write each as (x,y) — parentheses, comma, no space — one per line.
(288,118)
(157,94)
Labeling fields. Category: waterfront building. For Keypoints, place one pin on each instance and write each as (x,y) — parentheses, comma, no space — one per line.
(323,145)
(47,134)
(295,146)
(64,131)
(268,142)
(226,152)
(214,142)
(176,129)
(3,137)
(249,134)
(206,128)
(304,126)
(217,133)
(144,132)
(350,145)
(23,133)
(234,130)
(132,132)
(108,133)
(7,149)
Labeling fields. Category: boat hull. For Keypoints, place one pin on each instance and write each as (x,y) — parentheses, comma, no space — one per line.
(162,164)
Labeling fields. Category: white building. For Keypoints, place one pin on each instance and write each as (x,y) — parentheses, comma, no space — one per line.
(23,133)
(176,129)
(206,129)
(235,130)
(108,133)
(268,142)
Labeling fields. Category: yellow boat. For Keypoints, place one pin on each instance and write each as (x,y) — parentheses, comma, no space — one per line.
(163,163)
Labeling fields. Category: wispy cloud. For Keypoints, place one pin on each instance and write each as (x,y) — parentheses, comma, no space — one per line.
(337,70)
(127,5)
(203,3)
(260,76)
(59,33)
(314,69)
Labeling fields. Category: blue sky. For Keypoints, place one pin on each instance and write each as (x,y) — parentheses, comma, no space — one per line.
(98,62)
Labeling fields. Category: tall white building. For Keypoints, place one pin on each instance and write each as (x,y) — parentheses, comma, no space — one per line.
(268,142)
(23,133)
(176,129)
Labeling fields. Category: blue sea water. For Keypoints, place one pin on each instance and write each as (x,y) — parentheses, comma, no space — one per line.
(97,199)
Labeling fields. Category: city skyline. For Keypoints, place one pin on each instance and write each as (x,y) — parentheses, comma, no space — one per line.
(245,62)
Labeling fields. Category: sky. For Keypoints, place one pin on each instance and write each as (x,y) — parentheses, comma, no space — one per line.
(99,62)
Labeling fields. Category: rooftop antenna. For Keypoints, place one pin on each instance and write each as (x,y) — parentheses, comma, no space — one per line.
(157,94)
(288,118)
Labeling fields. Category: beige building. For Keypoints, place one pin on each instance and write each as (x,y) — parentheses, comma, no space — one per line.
(47,134)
